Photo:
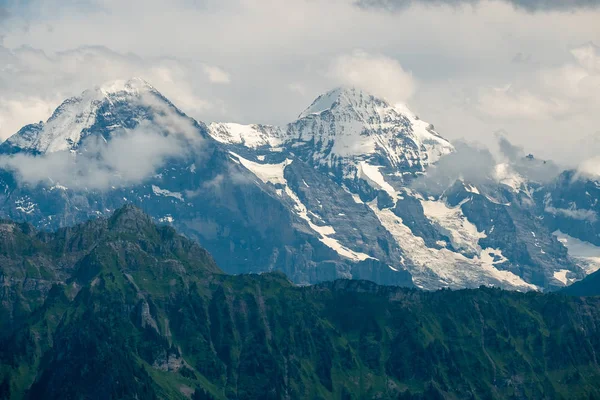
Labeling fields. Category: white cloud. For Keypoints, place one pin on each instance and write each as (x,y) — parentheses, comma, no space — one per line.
(510,103)
(34,82)
(456,54)
(130,157)
(127,159)
(380,75)
(216,74)
(558,92)
(580,214)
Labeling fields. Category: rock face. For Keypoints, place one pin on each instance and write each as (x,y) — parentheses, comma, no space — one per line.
(491,232)
(132,310)
(327,196)
(206,192)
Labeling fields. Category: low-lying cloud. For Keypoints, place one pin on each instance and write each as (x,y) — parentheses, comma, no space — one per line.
(128,158)
(376,74)
(28,95)
(477,165)
(470,163)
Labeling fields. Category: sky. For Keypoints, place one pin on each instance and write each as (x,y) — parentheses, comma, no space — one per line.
(528,70)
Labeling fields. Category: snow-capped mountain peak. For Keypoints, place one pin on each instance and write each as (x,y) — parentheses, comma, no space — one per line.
(133,86)
(76,117)
(346,126)
(352,125)
(344,98)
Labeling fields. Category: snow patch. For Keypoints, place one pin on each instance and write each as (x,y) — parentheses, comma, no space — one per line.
(452,222)
(324,231)
(504,174)
(585,254)
(163,192)
(251,136)
(371,174)
(452,269)
(561,276)
(268,173)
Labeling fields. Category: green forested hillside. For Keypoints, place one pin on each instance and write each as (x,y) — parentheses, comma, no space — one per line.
(122,309)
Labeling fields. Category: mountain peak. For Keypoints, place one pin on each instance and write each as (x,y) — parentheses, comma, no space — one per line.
(99,108)
(342,97)
(130,218)
(133,86)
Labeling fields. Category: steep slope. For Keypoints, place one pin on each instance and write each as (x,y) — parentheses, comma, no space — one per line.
(109,108)
(461,234)
(590,286)
(331,195)
(343,128)
(145,313)
(124,142)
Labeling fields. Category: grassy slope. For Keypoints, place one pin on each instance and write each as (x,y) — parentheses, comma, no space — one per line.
(146,314)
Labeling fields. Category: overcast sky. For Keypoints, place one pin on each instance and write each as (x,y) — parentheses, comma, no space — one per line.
(528,68)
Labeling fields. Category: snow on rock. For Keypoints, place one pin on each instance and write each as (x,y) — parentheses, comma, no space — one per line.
(322,103)
(167,219)
(75,116)
(25,205)
(585,254)
(451,222)
(349,126)
(349,123)
(506,175)
(471,189)
(272,173)
(371,174)
(561,276)
(163,192)
(325,232)
(251,136)
(434,268)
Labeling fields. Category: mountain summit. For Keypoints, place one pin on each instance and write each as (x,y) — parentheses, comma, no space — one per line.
(345,126)
(115,105)
(330,195)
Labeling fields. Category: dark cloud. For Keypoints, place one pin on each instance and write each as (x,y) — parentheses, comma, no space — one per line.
(509,150)
(528,5)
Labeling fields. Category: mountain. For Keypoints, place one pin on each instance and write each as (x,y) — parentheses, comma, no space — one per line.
(459,235)
(124,142)
(589,286)
(333,194)
(344,128)
(119,307)
(114,106)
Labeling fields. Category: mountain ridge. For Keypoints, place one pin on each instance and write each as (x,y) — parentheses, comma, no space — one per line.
(263,198)
(140,315)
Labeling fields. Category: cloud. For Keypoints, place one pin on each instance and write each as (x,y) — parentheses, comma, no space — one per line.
(574,213)
(28,94)
(528,5)
(458,55)
(476,165)
(513,103)
(130,157)
(509,150)
(216,74)
(589,168)
(471,163)
(377,74)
